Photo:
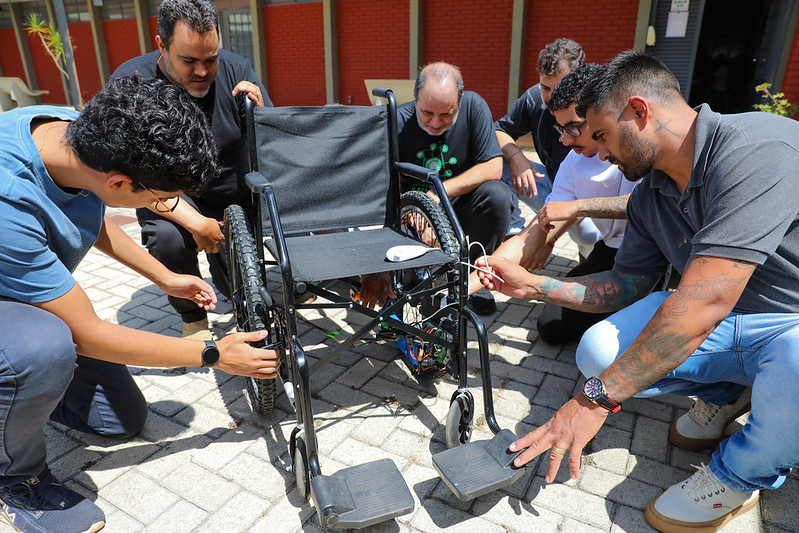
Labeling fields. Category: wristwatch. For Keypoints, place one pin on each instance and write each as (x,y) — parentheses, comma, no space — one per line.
(210,354)
(594,390)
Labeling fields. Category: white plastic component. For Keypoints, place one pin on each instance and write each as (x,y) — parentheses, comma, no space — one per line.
(406,252)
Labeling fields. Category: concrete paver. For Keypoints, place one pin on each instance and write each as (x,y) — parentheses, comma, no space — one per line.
(206,463)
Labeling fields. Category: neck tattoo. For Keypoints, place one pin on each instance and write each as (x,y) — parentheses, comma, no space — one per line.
(664,126)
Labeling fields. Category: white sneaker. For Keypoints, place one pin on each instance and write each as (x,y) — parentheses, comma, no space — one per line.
(700,504)
(704,424)
(197,330)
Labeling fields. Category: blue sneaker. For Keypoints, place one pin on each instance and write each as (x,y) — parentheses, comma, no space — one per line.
(43,505)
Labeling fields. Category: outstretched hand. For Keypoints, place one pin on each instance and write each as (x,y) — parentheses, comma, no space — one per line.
(191,288)
(570,429)
(501,275)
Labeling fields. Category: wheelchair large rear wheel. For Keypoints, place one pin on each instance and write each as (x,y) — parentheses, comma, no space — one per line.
(424,219)
(250,310)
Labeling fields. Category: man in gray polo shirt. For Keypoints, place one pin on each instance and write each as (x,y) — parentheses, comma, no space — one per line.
(717,201)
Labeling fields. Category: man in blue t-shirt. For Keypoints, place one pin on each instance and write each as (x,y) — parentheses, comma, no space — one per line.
(716,201)
(137,143)
(189,56)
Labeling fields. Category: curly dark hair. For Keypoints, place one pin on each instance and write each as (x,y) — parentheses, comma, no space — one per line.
(149,130)
(200,15)
(551,59)
(627,74)
(567,91)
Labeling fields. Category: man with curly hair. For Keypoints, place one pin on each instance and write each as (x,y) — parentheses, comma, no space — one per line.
(137,143)
(189,56)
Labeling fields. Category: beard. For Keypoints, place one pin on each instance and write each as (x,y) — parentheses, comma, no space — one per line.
(442,132)
(639,154)
(173,77)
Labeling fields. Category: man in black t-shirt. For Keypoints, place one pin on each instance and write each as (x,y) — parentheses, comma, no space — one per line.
(451,131)
(529,114)
(189,56)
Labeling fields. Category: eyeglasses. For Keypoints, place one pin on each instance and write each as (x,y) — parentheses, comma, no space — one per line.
(573,130)
(163,205)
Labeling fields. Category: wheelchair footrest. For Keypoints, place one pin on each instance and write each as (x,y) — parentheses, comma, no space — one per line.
(477,468)
(361,495)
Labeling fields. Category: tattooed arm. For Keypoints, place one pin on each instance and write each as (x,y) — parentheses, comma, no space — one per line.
(604,292)
(708,291)
(602,207)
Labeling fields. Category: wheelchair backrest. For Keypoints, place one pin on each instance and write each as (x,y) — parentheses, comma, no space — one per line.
(330,166)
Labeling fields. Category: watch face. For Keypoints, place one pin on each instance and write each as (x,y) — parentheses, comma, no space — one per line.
(593,388)
(210,354)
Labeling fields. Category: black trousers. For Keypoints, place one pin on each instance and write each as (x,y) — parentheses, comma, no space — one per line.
(559,325)
(174,246)
(484,215)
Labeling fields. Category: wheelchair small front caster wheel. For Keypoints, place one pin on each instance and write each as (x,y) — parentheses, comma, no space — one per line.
(300,467)
(458,428)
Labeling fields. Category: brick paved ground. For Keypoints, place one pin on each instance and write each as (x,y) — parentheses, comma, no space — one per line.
(206,463)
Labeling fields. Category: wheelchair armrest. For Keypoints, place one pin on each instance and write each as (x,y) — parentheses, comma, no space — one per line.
(416,171)
(256,182)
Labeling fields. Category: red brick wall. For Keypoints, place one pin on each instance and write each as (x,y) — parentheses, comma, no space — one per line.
(295,57)
(121,41)
(373,42)
(10,60)
(153,21)
(601,30)
(85,59)
(476,39)
(790,84)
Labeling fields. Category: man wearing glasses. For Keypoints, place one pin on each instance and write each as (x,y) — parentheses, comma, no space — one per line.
(189,56)
(585,186)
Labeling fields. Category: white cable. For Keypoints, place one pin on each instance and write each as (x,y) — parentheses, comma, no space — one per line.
(485,258)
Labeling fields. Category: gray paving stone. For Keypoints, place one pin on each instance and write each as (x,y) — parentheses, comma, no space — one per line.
(206,463)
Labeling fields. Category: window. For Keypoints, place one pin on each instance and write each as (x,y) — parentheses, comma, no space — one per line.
(117,9)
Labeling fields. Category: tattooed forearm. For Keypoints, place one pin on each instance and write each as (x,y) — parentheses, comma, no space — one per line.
(598,293)
(660,351)
(610,207)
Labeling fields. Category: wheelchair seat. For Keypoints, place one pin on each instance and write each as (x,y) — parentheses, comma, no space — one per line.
(329,205)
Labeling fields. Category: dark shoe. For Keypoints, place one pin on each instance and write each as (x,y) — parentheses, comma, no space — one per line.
(482,303)
(42,504)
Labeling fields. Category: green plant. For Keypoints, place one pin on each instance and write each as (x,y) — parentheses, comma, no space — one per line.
(776,103)
(50,38)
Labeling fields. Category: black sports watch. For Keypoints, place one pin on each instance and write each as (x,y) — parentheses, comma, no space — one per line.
(210,354)
(594,390)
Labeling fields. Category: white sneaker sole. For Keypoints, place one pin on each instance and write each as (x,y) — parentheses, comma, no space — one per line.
(670,525)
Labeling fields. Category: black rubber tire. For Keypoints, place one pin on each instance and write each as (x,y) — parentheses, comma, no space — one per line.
(249,308)
(458,428)
(300,465)
(416,207)
(420,203)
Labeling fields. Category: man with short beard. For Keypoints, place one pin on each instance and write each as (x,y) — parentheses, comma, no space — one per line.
(449,130)
(717,201)
(189,56)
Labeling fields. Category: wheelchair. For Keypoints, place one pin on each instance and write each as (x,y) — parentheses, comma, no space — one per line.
(329,206)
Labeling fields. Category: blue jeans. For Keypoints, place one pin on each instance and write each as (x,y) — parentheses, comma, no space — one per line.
(42,378)
(584,234)
(757,350)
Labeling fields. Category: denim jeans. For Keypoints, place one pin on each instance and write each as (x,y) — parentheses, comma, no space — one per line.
(584,234)
(42,378)
(757,350)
